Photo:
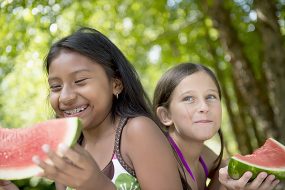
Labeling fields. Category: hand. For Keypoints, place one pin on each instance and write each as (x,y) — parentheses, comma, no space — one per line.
(72,163)
(261,182)
(7,185)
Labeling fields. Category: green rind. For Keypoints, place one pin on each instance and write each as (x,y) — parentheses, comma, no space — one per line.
(77,134)
(237,168)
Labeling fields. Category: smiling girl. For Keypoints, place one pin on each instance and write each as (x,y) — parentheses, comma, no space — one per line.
(121,146)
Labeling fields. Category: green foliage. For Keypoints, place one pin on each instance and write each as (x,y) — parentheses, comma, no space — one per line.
(154,35)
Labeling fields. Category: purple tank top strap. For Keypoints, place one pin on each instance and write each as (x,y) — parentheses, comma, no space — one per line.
(204,166)
(181,157)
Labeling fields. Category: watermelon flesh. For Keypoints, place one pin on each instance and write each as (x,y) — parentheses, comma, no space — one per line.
(18,146)
(269,158)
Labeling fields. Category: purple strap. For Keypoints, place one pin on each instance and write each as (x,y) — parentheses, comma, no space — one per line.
(204,166)
(181,157)
(178,151)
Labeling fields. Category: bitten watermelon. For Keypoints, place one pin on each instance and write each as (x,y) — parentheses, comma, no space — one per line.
(269,158)
(18,146)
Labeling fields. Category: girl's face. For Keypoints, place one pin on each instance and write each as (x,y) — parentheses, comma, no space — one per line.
(195,107)
(79,87)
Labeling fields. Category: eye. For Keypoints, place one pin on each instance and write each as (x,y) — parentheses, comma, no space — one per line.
(55,88)
(189,99)
(81,81)
(211,97)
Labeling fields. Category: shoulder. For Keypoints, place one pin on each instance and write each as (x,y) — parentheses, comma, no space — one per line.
(143,145)
(142,133)
(140,124)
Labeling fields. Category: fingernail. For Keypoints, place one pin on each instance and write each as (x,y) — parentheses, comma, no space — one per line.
(248,174)
(45,148)
(272,177)
(36,160)
(62,148)
(263,175)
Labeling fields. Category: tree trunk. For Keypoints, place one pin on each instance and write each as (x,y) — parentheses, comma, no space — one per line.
(255,98)
(274,57)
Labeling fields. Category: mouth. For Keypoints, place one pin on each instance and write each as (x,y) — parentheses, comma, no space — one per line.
(75,111)
(203,121)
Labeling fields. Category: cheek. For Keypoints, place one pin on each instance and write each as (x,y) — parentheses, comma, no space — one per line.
(53,100)
(218,114)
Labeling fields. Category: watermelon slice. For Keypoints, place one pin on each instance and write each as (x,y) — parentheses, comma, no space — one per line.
(269,158)
(18,146)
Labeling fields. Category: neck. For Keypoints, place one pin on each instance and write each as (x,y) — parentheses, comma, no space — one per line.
(191,149)
(100,132)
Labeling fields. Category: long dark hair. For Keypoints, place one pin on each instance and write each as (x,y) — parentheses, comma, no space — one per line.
(133,100)
(170,80)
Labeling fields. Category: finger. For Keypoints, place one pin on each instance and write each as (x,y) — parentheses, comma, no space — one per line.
(242,182)
(258,180)
(269,183)
(223,174)
(5,182)
(275,183)
(61,163)
(48,168)
(77,155)
(49,171)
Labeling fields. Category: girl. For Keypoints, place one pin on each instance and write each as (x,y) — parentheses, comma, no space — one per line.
(121,146)
(187,101)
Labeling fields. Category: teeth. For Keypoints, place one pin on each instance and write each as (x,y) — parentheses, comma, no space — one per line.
(74,111)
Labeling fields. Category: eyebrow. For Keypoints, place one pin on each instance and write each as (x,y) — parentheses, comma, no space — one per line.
(72,73)
(189,91)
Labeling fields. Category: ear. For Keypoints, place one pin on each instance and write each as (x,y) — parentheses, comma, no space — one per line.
(117,86)
(164,116)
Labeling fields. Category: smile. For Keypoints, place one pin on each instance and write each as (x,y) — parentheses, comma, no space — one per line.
(76,110)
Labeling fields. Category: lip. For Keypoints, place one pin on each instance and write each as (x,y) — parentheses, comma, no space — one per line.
(203,121)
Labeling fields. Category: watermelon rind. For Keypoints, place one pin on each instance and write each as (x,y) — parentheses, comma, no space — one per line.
(238,167)
(73,135)
(70,139)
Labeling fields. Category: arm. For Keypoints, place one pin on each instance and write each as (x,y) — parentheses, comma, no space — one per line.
(150,154)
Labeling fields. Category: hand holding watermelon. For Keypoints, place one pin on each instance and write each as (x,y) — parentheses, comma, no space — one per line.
(260,170)
(263,181)
(76,163)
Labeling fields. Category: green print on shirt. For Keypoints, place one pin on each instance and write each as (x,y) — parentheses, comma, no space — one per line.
(126,182)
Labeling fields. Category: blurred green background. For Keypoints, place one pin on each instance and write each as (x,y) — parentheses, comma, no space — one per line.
(241,40)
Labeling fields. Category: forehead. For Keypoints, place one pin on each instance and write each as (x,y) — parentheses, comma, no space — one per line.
(199,81)
(69,62)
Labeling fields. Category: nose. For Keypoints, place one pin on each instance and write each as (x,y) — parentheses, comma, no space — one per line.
(203,107)
(67,95)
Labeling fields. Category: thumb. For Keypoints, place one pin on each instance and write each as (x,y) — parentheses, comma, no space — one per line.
(223,174)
